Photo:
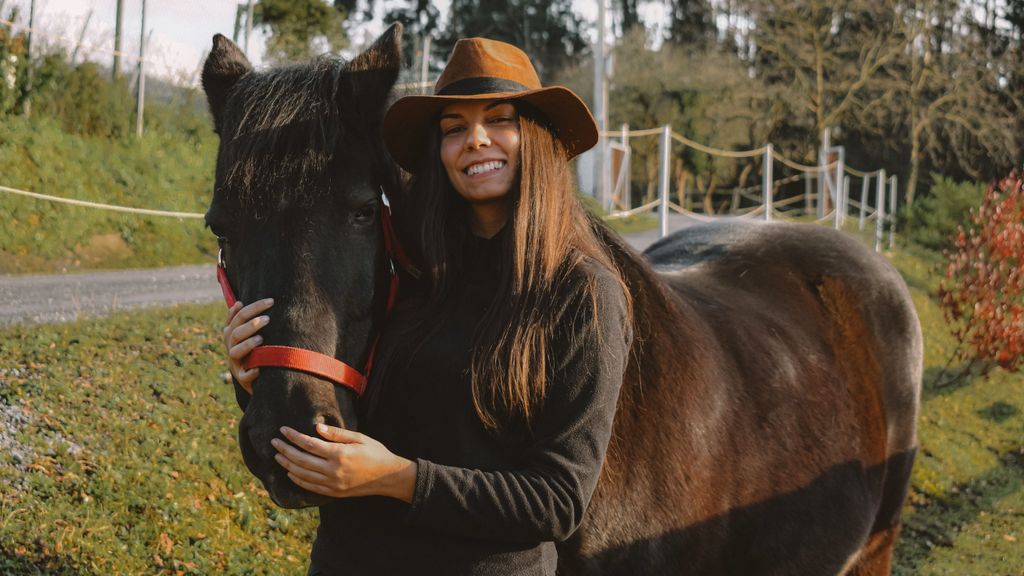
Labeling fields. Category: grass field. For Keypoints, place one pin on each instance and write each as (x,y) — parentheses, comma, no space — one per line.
(118,456)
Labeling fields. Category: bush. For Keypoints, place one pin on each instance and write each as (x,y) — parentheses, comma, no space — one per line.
(82,98)
(934,219)
(982,293)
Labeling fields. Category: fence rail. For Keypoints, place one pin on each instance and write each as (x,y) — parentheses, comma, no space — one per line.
(828,196)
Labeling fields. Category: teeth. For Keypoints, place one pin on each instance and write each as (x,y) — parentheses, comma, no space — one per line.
(485,167)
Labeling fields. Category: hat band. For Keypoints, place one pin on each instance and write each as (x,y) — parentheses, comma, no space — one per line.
(481,85)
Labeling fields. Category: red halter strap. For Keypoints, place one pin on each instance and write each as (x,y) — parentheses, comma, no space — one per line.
(315,363)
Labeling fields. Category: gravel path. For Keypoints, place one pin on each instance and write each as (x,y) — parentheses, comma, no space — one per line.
(65,297)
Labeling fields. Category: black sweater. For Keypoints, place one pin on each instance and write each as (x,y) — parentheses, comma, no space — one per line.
(485,503)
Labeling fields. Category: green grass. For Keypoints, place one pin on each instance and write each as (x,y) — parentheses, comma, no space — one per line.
(137,470)
(161,171)
(966,508)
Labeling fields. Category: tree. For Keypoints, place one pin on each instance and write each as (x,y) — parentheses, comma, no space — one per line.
(823,54)
(690,22)
(982,293)
(549,31)
(300,29)
(704,94)
(943,89)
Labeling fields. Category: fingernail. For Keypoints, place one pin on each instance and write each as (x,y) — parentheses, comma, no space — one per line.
(285,430)
(258,339)
(321,427)
(275,442)
(268,301)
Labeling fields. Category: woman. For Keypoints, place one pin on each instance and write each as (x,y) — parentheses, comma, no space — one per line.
(492,402)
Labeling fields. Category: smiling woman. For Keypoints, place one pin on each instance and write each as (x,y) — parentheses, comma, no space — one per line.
(487,417)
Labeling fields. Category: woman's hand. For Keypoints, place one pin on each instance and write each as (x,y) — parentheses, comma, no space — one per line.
(347,464)
(240,336)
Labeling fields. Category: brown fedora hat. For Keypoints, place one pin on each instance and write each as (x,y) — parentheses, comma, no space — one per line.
(482,69)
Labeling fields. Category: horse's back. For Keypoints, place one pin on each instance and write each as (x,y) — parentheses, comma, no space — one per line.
(779,270)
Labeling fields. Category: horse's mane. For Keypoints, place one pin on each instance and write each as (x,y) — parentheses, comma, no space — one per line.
(283,127)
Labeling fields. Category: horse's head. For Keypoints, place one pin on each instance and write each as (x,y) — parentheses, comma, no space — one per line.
(296,206)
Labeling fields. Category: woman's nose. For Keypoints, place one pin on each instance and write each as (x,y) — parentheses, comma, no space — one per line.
(478,137)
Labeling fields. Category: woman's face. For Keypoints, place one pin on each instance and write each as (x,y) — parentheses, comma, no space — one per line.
(480,148)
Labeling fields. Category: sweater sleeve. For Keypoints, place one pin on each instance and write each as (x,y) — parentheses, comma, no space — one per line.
(545,499)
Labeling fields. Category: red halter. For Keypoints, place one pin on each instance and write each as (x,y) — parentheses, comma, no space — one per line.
(314,362)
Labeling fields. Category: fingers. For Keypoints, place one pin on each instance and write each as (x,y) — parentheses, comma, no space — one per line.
(311,486)
(239,315)
(239,351)
(297,462)
(246,377)
(232,311)
(298,458)
(335,434)
(307,443)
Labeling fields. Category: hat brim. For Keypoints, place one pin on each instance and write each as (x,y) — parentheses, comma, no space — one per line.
(409,121)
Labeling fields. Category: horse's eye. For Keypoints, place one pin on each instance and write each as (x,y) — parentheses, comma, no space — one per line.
(365,214)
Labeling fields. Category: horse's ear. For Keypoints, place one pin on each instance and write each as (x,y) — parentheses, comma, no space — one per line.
(224,66)
(372,74)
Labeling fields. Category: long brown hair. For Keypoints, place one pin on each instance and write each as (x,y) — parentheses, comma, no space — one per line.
(547,236)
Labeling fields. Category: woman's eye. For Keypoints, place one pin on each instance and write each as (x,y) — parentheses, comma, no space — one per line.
(502,119)
(452,130)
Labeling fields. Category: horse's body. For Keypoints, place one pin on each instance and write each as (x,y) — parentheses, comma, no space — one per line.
(767,425)
(766,421)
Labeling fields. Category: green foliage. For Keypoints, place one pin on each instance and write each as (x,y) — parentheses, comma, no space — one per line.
(12,63)
(934,218)
(163,170)
(300,29)
(82,98)
(550,31)
(128,460)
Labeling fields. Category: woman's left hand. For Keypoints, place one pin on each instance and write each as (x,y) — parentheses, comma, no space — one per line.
(346,464)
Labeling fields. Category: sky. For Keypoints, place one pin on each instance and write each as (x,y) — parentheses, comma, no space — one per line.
(182,30)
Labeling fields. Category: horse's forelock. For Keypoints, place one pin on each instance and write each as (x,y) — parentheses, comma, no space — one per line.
(281,130)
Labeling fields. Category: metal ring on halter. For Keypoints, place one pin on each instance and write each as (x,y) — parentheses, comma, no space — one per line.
(220,258)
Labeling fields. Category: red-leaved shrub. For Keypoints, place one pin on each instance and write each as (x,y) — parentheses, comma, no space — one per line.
(982,291)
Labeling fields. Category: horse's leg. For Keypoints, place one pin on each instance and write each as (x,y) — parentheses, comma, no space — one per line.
(875,558)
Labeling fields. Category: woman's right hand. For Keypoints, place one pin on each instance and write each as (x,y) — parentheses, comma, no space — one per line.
(240,336)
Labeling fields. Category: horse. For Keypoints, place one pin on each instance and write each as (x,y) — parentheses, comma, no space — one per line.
(766,422)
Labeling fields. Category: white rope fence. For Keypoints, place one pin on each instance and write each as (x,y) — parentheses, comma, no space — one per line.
(832,199)
(100,205)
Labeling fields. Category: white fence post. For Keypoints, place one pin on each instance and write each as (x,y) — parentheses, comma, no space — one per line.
(864,184)
(627,166)
(838,204)
(880,210)
(893,182)
(766,183)
(666,155)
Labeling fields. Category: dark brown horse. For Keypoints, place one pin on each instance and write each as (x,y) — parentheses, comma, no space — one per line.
(766,424)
